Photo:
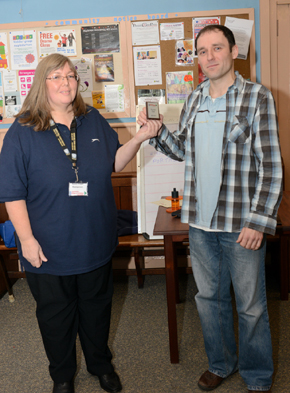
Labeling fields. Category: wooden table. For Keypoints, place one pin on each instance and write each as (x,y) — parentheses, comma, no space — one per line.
(175,232)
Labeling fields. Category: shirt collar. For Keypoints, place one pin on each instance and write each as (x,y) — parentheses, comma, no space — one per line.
(238,84)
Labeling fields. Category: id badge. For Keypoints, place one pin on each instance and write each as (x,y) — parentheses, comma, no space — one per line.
(78,189)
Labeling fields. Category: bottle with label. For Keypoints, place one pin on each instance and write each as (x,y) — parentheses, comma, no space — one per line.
(175,204)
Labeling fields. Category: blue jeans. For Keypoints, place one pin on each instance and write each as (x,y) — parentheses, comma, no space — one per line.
(217,261)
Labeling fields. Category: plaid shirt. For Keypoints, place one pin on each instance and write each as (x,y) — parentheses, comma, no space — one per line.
(251,169)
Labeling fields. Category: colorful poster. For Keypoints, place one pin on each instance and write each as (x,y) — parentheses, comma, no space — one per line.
(103,39)
(199,23)
(84,69)
(25,78)
(98,99)
(3,51)
(178,86)
(104,68)
(23,50)
(53,41)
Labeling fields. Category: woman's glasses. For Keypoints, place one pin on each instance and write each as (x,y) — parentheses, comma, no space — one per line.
(60,78)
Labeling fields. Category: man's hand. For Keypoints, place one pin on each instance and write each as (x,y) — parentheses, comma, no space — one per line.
(250,239)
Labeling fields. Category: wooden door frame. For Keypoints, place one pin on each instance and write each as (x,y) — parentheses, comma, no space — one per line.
(269,47)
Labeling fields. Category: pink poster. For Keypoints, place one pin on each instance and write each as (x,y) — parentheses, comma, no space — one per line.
(25,81)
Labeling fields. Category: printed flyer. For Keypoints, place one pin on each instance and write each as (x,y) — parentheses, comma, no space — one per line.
(53,41)
(23,50)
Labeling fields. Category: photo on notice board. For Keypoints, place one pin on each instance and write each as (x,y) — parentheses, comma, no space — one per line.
(98,39)
(184,52)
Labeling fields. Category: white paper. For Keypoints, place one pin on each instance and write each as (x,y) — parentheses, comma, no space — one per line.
(242,29)
(23,50)
(114,98)
(172,31)
(9,81)
(147,65)
(84,69)
(145,33)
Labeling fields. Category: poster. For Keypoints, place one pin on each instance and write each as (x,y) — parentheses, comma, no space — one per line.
(179,85)
(98,99)
(25,81)
(23,50)
(83,67)
(103,39)
(3,51)
(104,68)
(199,23)
(147,65)
(145,33)
(52,41)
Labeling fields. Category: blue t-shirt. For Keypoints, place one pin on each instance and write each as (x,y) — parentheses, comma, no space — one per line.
(78,233)
(209,131)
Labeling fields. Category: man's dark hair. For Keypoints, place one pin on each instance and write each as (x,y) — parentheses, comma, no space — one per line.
(226,32)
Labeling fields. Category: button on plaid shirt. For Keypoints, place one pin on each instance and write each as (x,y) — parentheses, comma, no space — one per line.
(251,169)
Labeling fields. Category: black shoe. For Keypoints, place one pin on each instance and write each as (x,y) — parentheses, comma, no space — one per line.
(65,387)
(110,382)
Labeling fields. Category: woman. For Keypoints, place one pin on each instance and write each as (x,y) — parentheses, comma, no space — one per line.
(55,174)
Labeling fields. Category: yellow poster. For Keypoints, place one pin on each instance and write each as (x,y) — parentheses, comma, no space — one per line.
(98,99)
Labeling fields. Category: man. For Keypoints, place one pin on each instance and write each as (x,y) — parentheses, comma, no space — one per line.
(228,137)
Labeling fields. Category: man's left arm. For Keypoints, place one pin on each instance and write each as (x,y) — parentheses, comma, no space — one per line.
(268,192)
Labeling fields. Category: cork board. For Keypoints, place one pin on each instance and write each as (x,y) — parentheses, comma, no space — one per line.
(167,49)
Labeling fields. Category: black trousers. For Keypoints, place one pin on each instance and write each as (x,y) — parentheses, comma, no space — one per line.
(67,305)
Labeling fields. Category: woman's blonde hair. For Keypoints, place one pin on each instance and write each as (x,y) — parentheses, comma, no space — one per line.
(36,111)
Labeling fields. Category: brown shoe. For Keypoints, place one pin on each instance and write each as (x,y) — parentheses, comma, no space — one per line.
(209,381)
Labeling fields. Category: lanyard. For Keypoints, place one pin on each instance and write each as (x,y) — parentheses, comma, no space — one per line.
(72,156)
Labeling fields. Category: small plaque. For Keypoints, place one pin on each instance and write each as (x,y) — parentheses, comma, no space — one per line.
(152,110)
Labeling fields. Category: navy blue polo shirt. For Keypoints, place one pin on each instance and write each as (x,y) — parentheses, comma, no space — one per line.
(77,233)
